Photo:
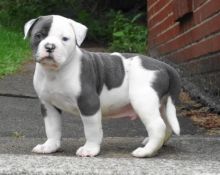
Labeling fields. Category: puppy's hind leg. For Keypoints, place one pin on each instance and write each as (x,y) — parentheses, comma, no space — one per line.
(163,115)
(146,103)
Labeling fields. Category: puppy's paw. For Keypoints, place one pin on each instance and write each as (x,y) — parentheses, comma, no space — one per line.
(88,150)
(49,146)
(142,152)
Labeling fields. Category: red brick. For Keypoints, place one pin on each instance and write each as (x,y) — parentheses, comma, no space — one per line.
(205,12)
(150,3)
(153,35)
(208,9)
(168,35)
(156,8)
(197,3)
(151,10)
(181,8)
(202,48)
(162,26)
(194,35)
(166,24)
(188,24)
(158,18)
(207,28)
(174,45)
(201,14)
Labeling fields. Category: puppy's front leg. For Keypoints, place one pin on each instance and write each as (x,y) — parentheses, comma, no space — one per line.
(89,106)
(52,122)
(93,133)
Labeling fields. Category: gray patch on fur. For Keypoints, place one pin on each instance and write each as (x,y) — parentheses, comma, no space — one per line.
(167,81)
(43,110)
(88,101)
(41,27)
(98,69)
(108,69)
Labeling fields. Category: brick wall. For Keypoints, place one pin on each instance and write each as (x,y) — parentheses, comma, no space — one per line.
(187,32)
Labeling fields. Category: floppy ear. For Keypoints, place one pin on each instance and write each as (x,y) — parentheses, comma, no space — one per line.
(80,31)
(28,25)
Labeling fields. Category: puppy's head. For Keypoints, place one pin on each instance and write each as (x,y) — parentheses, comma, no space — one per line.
(53,39)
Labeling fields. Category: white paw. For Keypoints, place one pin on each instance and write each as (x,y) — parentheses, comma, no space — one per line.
(46,148)
(142,152)
(88,150)
(144,142)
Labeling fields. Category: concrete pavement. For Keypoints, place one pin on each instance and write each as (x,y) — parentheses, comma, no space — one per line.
(182,155)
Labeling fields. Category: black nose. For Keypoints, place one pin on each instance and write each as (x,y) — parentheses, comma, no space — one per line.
(50,47)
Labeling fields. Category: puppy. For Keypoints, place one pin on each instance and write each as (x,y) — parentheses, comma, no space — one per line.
(96,85)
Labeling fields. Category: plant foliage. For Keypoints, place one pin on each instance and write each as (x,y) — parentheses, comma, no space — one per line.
(128,36)
(107,27)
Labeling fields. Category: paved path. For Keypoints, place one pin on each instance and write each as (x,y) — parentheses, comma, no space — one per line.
(21,128)
(182,155)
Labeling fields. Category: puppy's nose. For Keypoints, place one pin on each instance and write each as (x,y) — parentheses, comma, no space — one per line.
(50,47)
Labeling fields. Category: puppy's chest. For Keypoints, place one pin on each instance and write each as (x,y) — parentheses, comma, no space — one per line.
(61,95)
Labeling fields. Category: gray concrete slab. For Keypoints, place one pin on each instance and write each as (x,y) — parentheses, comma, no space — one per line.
(182,155)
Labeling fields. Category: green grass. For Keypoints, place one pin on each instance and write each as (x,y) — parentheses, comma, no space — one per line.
(14,51)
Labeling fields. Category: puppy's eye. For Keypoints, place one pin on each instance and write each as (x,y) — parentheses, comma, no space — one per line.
(38,35)
(65,39)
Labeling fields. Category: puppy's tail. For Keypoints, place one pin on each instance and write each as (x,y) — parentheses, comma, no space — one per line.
(173,98)
(171,116)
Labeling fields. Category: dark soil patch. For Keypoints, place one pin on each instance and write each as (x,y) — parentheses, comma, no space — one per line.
(200,114)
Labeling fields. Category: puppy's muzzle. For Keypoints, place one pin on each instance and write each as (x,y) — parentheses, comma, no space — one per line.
(48,58)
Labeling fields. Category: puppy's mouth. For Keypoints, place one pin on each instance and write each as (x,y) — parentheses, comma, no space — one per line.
(48,61)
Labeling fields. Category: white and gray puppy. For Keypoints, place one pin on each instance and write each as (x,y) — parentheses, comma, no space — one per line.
(96,85)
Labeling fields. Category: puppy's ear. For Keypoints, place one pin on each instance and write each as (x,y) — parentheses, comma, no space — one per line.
(80,31)
(28,26)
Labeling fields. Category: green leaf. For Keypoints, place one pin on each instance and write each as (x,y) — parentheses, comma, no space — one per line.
(118,34)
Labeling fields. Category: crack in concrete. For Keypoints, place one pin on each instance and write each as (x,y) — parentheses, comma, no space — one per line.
(18,96)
